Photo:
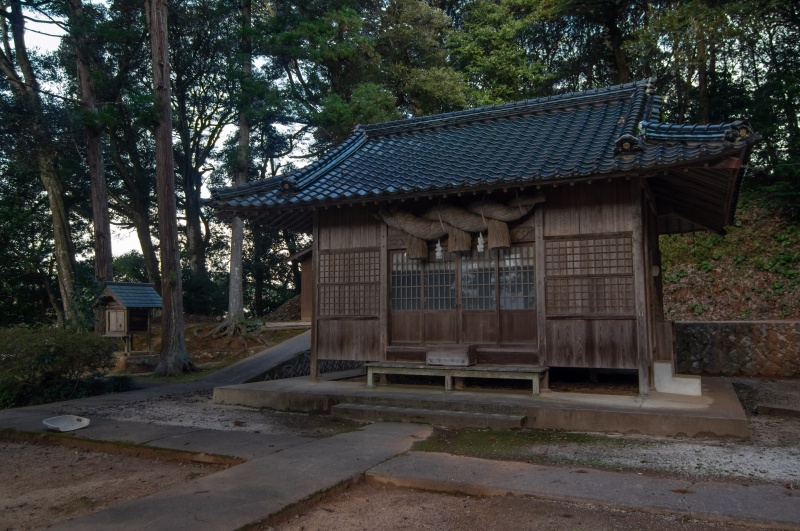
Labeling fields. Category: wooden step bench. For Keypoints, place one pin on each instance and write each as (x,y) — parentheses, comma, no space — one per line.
(505,372)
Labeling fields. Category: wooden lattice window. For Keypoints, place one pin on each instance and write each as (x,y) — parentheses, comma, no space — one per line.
(406,283)
(516,279)
(505,277)
(589,256)
(590,275)
(588,295)
(478,281)
(349,283)
(439,292)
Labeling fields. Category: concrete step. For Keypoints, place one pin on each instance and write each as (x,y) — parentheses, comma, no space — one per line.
(455,419)
(452,402)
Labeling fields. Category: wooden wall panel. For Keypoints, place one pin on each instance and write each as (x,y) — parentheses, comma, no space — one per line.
(440,326)
(607,344)
(406,327)
(347,285)
(479,327)
(566,343)
(561,212)
(349,340)
(601,207)
(615,342)
(348,228)
(604,207)
(518,327)
(588,276)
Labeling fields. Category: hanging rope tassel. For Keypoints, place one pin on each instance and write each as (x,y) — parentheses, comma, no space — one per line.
(499,237)
(416,248)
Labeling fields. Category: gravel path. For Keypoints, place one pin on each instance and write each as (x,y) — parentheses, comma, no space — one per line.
(195,410)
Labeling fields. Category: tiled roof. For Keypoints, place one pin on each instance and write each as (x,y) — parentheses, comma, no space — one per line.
(573,136)
(133,295)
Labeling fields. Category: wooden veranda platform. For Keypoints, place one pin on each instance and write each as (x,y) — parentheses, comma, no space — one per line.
(455,374)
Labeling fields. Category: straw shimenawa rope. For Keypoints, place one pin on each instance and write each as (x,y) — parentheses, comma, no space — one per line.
(457,223)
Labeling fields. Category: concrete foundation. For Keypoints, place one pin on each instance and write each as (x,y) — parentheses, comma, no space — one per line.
(666,381)
(717,413)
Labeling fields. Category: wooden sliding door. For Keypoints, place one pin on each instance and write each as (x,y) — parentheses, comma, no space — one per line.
(479,298)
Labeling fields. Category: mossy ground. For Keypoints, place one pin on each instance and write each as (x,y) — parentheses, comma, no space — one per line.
(750,273)
(512,445)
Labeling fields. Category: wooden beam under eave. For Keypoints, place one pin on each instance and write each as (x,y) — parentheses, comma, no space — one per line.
(694,223)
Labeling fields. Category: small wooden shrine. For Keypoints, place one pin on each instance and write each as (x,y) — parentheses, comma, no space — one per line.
(521,235)
(129,310)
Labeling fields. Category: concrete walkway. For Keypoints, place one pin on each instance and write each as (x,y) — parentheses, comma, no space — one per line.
(251,492)
(757,505)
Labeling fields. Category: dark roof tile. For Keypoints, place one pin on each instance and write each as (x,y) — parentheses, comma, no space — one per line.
(570,136)
(133,295)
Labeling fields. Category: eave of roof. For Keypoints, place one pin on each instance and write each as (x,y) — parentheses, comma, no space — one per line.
(602,133)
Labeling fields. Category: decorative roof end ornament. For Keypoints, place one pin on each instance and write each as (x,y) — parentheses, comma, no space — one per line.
(738,130)
(627,145)
(288,184)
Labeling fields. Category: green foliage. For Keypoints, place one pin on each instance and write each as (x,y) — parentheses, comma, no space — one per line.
(39,365)
(368,104)
(202,295)
(491,50)
(130,267)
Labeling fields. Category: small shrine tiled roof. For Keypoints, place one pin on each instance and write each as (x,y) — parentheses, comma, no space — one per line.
(576,136)
(132,294)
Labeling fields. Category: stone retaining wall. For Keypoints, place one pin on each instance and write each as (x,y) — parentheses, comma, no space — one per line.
(738,348)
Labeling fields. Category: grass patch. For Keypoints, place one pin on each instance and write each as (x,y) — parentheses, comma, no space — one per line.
(181,378)
(508,445)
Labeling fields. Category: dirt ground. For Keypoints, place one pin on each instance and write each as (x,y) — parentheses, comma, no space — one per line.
(380,508)
(43,485)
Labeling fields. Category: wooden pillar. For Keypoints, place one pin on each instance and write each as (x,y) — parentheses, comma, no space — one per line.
(539,271)
(314,305)
(639,288)
(383,307)
(149,330)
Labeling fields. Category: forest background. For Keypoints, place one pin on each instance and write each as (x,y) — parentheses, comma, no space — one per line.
(259,88)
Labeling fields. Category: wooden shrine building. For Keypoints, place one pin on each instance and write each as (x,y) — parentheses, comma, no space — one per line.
(128,310)
(524,234)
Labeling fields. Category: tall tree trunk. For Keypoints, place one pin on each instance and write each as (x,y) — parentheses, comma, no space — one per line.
(290,240)
(622,73)
(103,268)
(62,240)
(173,358)
(235,280)
(25,89)
(704,116)
(192,182)
(259,272)
(142,225)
